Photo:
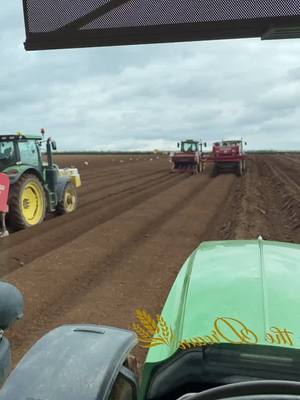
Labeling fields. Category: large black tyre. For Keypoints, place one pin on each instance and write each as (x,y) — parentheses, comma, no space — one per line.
(69,201)
(27,202)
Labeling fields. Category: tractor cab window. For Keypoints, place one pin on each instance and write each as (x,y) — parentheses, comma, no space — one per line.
(187,147)
(28,153)
(228,144)
(7,154)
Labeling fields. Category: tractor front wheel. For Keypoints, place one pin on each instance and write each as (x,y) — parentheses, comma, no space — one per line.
(27,202)
(69,201)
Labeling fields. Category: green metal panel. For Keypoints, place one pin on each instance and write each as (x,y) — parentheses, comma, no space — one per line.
(254,283)
(21,170)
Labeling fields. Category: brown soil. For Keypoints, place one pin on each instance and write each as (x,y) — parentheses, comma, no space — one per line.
(136,224)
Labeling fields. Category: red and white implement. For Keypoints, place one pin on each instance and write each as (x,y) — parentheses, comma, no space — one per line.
(227,156)
(4,190)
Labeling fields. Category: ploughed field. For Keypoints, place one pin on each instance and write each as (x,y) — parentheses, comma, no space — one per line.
(136,224)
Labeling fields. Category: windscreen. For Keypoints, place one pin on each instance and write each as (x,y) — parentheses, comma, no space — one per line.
(189,147)
(7,154)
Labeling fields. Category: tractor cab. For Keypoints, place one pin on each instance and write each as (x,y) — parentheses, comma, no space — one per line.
(189,146)
(188,159)
(24,150)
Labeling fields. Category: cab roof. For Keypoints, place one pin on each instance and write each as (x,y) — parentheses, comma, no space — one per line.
(15,136)
(255,282)
(230,141)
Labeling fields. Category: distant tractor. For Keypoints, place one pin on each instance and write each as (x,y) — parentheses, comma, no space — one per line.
(228,156)
(34,187)
(189,158)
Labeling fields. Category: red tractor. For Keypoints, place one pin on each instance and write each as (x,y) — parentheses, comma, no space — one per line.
(189,158)
(228,156)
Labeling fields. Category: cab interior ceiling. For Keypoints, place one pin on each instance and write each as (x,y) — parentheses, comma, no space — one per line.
(88,23)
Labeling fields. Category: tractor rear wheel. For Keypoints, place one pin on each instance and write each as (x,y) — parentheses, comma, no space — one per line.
(27,202)
(215,171)
(201,167)
(69,201)
(240,169)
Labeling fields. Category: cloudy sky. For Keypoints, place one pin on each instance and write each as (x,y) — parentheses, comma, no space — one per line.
(147,97)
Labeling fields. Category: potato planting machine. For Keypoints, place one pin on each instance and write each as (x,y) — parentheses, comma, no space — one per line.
(227,156)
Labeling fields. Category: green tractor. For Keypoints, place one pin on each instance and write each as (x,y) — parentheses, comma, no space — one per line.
(229,330)
(35,186)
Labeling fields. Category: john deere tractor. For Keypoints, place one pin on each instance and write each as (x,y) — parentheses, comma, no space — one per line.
(229,330)
(35,186)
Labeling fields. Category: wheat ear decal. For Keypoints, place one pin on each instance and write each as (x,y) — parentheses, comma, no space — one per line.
(192,343)
(152,332)
(145,319)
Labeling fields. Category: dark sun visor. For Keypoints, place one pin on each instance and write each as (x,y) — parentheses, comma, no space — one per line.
(60,24)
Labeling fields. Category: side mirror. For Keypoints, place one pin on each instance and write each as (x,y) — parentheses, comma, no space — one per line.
(11,309)
(12,305)
(178,144)
(205,144)
(53,145)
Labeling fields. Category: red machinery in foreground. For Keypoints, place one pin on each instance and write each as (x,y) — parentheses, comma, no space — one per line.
(4,189)
(189,158)
(228,156)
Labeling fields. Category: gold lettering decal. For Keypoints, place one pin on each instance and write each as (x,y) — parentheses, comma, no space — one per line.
(281,336)
(269,338)
(241,333)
